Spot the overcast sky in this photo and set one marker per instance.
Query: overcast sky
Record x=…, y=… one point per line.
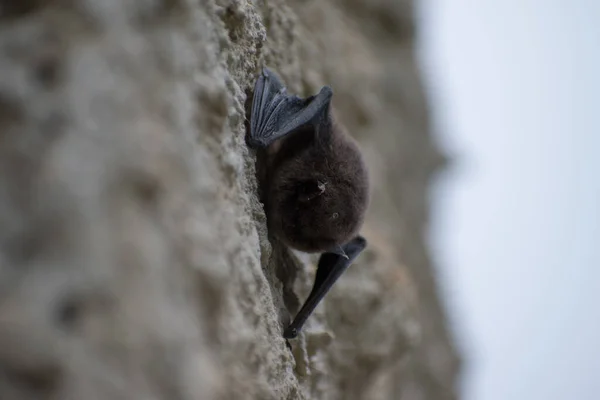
x=515, y=89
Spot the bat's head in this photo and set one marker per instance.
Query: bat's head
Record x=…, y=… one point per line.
x=318, y=199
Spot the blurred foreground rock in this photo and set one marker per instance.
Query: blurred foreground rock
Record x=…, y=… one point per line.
x=134, y=259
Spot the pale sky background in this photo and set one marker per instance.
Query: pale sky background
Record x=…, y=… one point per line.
x=515, y=90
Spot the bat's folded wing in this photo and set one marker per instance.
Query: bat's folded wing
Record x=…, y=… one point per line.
x=275, y=113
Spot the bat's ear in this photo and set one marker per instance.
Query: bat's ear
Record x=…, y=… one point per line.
x=354, y=247
x=338, y=250
x=331, y=266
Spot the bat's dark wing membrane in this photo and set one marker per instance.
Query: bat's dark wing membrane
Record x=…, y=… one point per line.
x=275, y=113
x=331, y=267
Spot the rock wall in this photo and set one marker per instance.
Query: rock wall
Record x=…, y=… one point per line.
x=134, y=258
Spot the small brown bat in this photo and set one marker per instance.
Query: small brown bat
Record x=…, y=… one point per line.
x=316, y=182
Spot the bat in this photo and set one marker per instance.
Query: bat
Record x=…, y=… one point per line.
x=316, y=182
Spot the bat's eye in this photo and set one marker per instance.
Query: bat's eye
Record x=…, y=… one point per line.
x=335, y=215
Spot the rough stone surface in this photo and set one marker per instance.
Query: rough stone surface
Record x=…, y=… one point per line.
x=134, y=257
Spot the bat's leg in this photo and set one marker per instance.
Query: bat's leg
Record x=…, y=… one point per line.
x=331, y=267
x=275, y=113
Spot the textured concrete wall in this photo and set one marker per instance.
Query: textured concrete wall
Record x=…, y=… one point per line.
x=134, y=259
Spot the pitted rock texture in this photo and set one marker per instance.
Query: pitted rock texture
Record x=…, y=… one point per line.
x=134, y=257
